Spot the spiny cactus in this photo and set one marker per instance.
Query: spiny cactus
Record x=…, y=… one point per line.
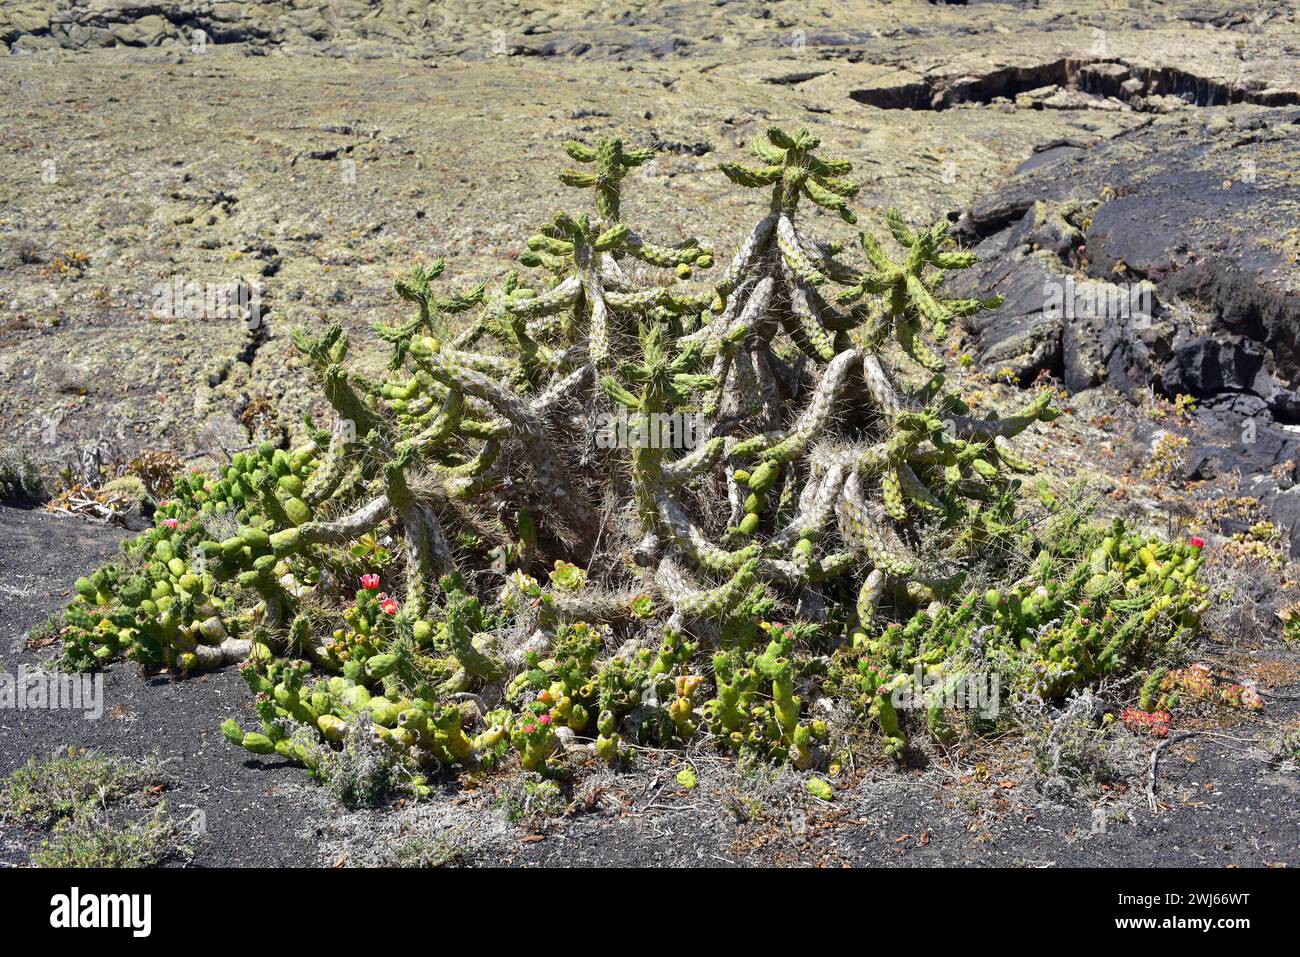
x=557, y=590
x=173, y=601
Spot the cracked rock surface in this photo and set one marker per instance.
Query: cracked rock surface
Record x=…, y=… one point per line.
x=311, y=152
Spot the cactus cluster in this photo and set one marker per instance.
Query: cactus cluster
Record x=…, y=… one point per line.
x=173, y=602
x=1095, y=601
x=756, y=707
x=544, y=592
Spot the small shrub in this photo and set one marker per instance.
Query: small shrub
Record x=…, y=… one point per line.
x=1287, y=744
x=532, y=797
x=76, y=795
x=364, y=772
x=20, y=481
x=1290, y=616
x=1077, y=748
x=43, y=792
x=88, y=839
x=157, y=470
x=423, y=851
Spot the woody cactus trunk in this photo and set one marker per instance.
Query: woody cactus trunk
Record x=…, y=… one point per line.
x=602, y=486
x=785, y=399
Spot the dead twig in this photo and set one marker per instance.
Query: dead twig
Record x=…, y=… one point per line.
x=1155, y=763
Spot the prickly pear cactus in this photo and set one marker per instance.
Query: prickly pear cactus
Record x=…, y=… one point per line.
x=794, y=506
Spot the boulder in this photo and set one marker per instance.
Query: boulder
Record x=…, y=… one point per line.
x=1018, y=335
x=145, y=32
x=1205, y=366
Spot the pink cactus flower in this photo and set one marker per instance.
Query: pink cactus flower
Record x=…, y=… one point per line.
x=388, y=606
x=1197, y=542
x=529, y=728
x=370, y=582
x=170, y=522
x=544, y=719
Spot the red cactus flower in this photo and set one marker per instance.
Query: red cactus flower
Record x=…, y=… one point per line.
x=370, y=582
x=388, y=606
x=170, y=522
x=1196, y=541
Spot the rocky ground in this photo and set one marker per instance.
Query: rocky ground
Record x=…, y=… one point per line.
x=311, y=152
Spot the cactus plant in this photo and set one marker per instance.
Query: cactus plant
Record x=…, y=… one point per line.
x=608, y=597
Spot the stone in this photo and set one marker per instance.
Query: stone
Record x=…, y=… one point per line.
x=146, y=31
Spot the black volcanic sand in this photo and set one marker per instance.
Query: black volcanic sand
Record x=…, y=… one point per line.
x=254, y=808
